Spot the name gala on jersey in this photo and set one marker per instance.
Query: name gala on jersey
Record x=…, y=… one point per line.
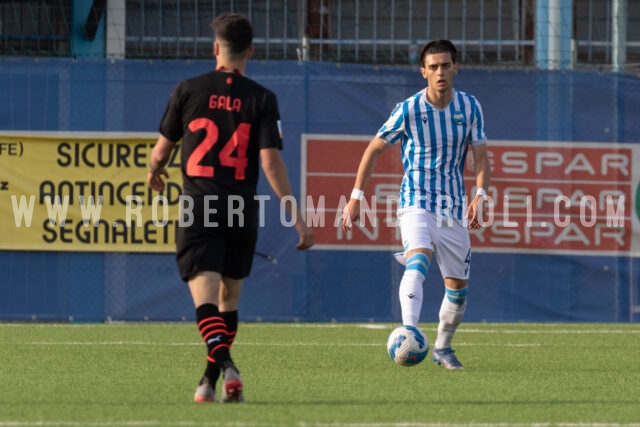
x=222, y=102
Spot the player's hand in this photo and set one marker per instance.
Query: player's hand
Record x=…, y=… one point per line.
x=479, y=203
x=154, y=178
x=350, y=214
x=306, y=235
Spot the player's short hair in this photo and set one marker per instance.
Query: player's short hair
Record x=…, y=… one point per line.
x=234, y=31
x=438, y=46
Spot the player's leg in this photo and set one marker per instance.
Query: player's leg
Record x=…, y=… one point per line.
x=204, y=287
x=217, y=300
x=451, y=313
x=200, y=255
x=411, y=285
x=417, y=245
x=453, y=253
x=240, y=241
x=452, y=310
x=229, y=298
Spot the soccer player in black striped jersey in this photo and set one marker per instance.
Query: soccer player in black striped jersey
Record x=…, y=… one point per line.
x=228, y=124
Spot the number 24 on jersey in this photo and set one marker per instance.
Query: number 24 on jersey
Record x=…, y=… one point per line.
x=239, y=140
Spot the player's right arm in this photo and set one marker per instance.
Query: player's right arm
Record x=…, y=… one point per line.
x=276, y=172
x=170, y=132
x=351, y=211
x=157, y=162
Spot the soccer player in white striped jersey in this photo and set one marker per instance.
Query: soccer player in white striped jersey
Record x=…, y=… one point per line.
x=434, y=129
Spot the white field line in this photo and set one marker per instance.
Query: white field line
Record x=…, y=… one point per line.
x=553, y=328
x=139, y=423
x=261, y=344
x=561, y=328
x=462, y=330
x=551, y=331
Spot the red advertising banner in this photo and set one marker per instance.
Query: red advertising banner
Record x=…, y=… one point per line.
x=544, y=197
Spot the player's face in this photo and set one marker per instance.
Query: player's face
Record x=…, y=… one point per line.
x=439, y=70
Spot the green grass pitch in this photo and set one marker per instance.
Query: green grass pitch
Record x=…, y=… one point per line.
x=324, y=375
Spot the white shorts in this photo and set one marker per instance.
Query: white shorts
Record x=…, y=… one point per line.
x=448, y=238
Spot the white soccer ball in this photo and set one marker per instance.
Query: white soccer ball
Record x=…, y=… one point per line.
x=407, y=345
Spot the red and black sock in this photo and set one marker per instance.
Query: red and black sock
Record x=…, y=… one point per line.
x=231, y=320
x=213, y=330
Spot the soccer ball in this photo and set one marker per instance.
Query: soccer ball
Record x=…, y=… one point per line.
x=407, y=345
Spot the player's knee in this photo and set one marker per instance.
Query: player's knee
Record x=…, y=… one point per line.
x=456, y=296
x=418, y=262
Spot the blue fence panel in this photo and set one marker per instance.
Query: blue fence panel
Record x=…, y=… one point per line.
x=320, y=285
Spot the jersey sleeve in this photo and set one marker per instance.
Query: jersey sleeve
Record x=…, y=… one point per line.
x=269, y=131
x=477, y=136
x=171, y=125
x=393, y=129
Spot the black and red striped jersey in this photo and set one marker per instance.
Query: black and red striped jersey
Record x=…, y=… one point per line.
x=223, y=120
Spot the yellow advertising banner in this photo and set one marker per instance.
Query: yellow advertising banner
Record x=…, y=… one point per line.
x=84, y=192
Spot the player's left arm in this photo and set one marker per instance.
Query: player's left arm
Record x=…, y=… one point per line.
x=483, y=176
x=276, y=172
x=158, y=160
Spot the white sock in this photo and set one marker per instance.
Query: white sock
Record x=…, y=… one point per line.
x=411, y=296
x=452, y=310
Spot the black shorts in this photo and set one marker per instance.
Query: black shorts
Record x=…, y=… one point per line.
x=225, y=248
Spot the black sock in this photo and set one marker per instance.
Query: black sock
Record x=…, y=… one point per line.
x=213, y=330
x=231, y=320
x=212, y=372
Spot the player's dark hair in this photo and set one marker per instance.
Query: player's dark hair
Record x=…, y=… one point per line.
x=438, y=46
x=233, y=30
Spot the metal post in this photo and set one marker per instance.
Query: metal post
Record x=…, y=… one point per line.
x=393, y=29
x=553, y=35
x=115, y=43
x=357, y=27
x=302, y=30
x=321, y=32
x=285, y=36
x=374, y=36
x=499, y=30
x=428, y=26
x=266, y=24
x=463, y=55
x=339, y=29
x=160, y=29
x=413, y=44
x=178, y=28
x=481, y=31
x=446, y=20
x=516, y=28
x=196, y=31
x=618, y=34
x=590, y=32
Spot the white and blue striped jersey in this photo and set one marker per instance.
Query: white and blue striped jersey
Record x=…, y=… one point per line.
x=434, y=147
